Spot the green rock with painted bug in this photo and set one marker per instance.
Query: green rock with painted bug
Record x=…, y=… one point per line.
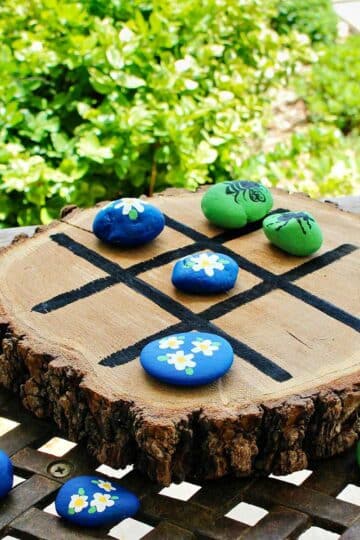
x=297, y=233
x=232, y=205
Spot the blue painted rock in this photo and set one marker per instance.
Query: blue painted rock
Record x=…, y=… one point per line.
x=128, y=222
x=205, y=273
x=232, y=205
x=296, y=233
x=187, y=359
x=93, y=502
x=6, y=474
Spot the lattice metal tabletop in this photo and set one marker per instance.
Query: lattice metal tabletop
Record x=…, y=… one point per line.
x=311, y=504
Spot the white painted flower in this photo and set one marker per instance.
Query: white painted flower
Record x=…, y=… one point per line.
x=207, y=262
x=206, y=346
x=171, y=342
x=180, y=360
x=106, y=486
x=78, y=502
x=129, y=203
x=101, y=501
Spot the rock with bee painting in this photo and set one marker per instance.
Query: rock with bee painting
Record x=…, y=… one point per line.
x=128, y=222
x=296, y=233
x=205, y=273
x=232, y=205
x=90, y=501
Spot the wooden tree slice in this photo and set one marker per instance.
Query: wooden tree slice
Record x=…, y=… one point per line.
x=75, y=313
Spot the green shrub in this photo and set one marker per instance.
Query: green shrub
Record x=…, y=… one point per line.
x=319, y=160
x=316, y=18
x=332, y=91
x=103, y=97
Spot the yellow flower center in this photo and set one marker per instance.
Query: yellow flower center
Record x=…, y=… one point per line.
x=78, y=502
x=203, y=346
x=106, y=485
x=102, y=499
x=205, y=263
x=172, y=342
x=181, y=359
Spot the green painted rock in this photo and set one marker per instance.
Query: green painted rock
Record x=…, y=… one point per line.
x=296, y=233
x=232, y=205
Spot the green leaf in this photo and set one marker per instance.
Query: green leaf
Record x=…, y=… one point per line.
x=95, y=482
x=71, y=511
x=162, y=358
x=81, y=491
x=189, y=371
x=89, y=146
x=131, y=81
x=114, y=57
x=45, y=217
x=92, y=510
x=114, y=498
x=133, y=215
x=205, y=153
x=60, y=141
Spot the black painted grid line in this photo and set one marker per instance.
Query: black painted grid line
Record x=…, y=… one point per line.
x=65, y=299
x=188, y=318
x=170, y=305
x=61, y=300
x=326, y=307
x=281, y=281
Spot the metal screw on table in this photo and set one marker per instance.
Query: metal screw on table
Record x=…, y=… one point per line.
x=60, y=469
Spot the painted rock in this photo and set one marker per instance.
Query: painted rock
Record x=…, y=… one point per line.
x=93, y=502
x=296, y=233
x=187, y=359
x=128, y=222
x=6, y=474
x=232, y=205
x=205, y=273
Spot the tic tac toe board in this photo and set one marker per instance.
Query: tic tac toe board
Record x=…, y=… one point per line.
x=75, y=314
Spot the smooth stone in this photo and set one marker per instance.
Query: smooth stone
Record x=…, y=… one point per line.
x=296, y=233
x=232, y=205
x=205, y=273
x=6, y=474
x=128, y=222
x=91, y=501
x=187, y=359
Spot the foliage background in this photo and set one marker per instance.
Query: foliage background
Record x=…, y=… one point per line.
x=100, y=98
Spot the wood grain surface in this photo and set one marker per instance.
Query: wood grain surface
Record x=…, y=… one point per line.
x=75, y=314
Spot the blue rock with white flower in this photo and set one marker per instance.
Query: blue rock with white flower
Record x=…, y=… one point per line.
x=205, y=273
x=187, y=359
x=91, y=501
x=128, y=222
x=6, y=474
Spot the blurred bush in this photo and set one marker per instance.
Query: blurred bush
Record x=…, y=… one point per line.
x=318, y=160
x=105, y=97
x=332, y=91
x=101, y=97
x=316, y=18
